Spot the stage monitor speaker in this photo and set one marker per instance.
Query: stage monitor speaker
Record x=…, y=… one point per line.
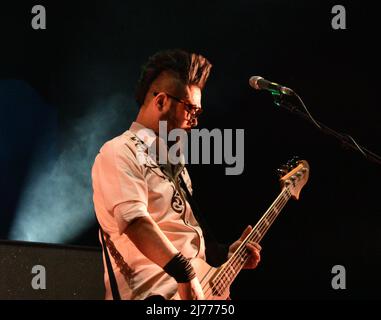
x=46, y=271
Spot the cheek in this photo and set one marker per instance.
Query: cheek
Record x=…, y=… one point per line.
x=175, y=118
x=181, y=115
x=170, y=114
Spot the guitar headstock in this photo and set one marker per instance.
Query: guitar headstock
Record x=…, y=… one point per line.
x=294, y=175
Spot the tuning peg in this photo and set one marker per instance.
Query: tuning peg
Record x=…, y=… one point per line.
x=299, y=174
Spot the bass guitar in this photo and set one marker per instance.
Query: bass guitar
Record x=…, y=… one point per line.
x=216, y=282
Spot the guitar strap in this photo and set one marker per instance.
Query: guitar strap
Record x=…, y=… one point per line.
x=111, y=275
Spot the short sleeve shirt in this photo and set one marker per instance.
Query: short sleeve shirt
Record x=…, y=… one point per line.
x=128, y=184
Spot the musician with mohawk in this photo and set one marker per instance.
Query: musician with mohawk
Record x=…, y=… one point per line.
x=149, y=225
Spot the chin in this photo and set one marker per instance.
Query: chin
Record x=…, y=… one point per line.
x=187, y=127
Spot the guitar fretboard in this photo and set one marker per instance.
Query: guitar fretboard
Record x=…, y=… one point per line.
x=234, y=265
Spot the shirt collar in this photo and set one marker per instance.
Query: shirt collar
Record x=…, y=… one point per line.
x=146, y=135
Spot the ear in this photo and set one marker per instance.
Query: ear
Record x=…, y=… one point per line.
x=159, y=101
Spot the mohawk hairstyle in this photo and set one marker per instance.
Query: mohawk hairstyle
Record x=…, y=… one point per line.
x=191, y=69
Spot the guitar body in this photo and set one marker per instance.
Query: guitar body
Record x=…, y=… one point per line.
x=205, y=274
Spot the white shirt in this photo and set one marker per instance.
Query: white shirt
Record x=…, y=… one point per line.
x=125, y=189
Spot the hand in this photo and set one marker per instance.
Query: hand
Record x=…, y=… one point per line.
x=191, y=290
x=252, y=247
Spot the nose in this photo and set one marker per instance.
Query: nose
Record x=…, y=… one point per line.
x=194, y=122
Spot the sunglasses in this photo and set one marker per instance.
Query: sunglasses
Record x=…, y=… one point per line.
x=192, y=109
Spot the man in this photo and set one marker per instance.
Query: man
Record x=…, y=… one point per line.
x=150, y=229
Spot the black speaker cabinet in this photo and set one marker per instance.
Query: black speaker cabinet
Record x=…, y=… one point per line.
x=46, y=271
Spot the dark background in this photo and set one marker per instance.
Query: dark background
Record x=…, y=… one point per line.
x=93, y=50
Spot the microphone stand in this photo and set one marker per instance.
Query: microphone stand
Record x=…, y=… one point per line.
x=345, y=139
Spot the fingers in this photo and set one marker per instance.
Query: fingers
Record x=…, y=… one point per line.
x=191, y=290
x=255, y=245
x=246, y=232
x=255, y=256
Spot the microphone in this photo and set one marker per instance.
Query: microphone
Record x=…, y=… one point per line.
x=259, y=83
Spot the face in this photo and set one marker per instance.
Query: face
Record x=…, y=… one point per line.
x=177, y=114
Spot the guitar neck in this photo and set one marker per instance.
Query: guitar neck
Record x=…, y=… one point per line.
x=227, y=273
x=267, y=219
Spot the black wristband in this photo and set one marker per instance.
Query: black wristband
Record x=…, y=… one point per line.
x=180, y=268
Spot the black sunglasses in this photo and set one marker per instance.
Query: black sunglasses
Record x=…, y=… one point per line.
x=192, y=109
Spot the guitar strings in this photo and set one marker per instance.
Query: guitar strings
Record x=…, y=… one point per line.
x=217, y=284
x=240, y=256
x=263, y=224
x=230, y=270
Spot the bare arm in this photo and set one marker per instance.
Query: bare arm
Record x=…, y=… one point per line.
x=152, y=242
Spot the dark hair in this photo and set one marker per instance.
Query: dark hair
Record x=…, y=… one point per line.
x=190, y=68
